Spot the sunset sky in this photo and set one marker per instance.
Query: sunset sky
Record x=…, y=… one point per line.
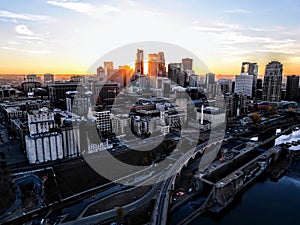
x=67, y=36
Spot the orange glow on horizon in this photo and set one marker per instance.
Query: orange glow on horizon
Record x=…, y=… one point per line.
x=18, y=64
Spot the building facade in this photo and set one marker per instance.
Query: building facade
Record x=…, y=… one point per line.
x=292, y=88
x=272, y=82
x=251, y=69
x=244, y=84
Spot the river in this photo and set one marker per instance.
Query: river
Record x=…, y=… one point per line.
x=262, y=202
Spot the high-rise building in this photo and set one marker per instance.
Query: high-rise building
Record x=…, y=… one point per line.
x=187, y=64
x=173, y=70
x=152, y=64
x=166, y=87
x=251, y=69
x=105, y=92
x=209, y=79
x=272, y=82
x=31, y=78
x=259, y=84
x=48, y=78
x=139, y=62
x=181, y=78
x=244, y=84
x=259, y=89
x=156, y=64
x=226, y=85
x=122, y=75
x=101, y=73
x=103, y=122
x=57, y=93
x=78, y=102
x=161, y=65
x=194, y=80
x=213, y=90
x=292, y=88
x=108, y=68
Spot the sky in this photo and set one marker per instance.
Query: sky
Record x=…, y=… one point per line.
x=68, y=36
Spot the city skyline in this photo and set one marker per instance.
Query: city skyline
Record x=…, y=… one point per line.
x=66, y=37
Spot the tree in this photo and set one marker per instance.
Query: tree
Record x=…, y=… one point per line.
x=256, y=118
x=271, y=109
x=291, y=112
x=145, y=161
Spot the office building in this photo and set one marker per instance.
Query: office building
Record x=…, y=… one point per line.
x=101, y=73
x=156, y=65
x=225, y=85
x=103, y=122
x=48, y=78
x=194, y=81
x=209, y=79
x=272, y=82
x=139, y=62
x=57, y=93
x=104, y=93
x=251, y=69
x=31, y=78
x=173, y=70
x=292, y=88
x=108, y=68
x=244, y=84
x=187, y=64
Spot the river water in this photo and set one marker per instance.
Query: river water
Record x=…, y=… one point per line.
x=263, y=202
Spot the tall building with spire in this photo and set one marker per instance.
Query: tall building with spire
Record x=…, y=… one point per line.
x=272, y=82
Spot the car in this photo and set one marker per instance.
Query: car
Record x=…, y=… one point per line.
x=180, y=193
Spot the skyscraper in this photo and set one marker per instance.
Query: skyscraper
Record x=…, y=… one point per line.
x=139, y=62
x=31, y=77
x=173, y=70
x=153, y=64
x=251, y=69
x=156, y=64
x=292, y=85
x=161, y=65
x=209, y=79
x=243, y=84
x=187, y=64
x=48, y=78
x=272, y=82
x=259, y=89
x=108, y=68
x=101, y=73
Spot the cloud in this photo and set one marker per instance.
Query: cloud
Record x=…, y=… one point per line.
x=31, y=38
x=97, y=11
x=23, y=30
x=239, y=38
x=85, y=8
x=215, y=27
x=238, y=11
x=30, y=17
x=26, y=50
